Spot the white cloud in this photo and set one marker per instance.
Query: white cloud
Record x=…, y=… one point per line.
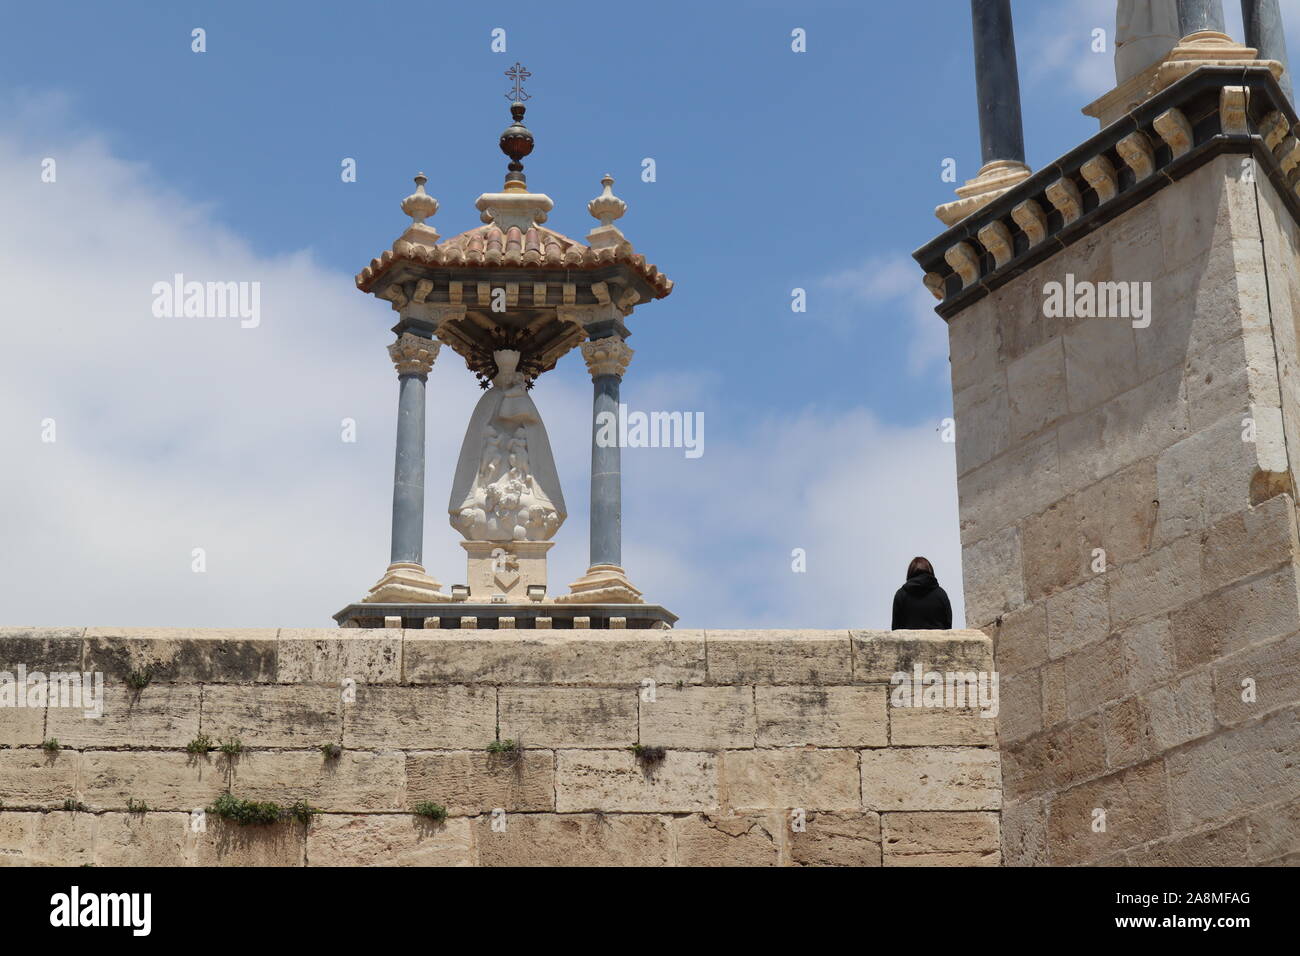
x=182, y=433
x=1055, y=41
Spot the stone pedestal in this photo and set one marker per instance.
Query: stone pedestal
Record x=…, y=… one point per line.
x=504, y=570
x=406, y=583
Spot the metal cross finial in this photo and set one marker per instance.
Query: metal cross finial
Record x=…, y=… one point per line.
x=518, y=74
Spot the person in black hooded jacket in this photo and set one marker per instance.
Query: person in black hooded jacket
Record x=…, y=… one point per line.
x=920, y=604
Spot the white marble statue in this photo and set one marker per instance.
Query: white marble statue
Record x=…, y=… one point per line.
x=506, y=487
x=1145, y=30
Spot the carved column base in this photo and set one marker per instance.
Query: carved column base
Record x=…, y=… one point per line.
x=1207, y=48
x=992, y=181
x=602, y=584
x=505, y=570
x=405, y=583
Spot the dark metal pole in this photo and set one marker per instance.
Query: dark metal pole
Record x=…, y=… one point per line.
x=1197, y=15
x=997, y=81
x=1264, y=31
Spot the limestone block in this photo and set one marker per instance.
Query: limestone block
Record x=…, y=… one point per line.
x=1251, y=612
x=1136, y=811
x=1036, y=389
x=1247, y=542
x=1274, y=832
x=993, y=576
x=421, y=718
x=779, y=657
x=716, y=840
x=327, y=657
x=1053, y=550
x=1100, y=361
x=353, y=781
x=1129, y=739
x=22, y=726
x=837, y=839
x=389, y=840
x=557, y=657
x=1024, y=834
x=1020, y=483
x=1055, y=759
x=1094, y=676
x=614, y=780
x=1226, y=378
x=575, y=839
x=468, y=783
x=1181, y=710
x=1204, y=478
x=143, y=839
x=1118, y=514
x=569, y=716
x=1164, y=580
x=931, y=778
x=1055, y=697
x=984, y=420
x=1194, y=212
x=182, y=654
x=1020, y=640
x=229, y=844
x=1221, y=846
x=941, y=839
x=1078, y=617
x=941, y=726
x=163, y=780
x=973, y=344
x=1273, y=668
x=699, y=718
x=159, y=715
x=46, y=839
x=790, y=778
x=35, y=778
x=822, y=716
x=1020, y=710
x=1235, y=771
x=1148, y=650
x=270, y=715
x=42, y=649
x=879, y=655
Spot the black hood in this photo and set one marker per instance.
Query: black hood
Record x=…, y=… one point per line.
x=921, y=583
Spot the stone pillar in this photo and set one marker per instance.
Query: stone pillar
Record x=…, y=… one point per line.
x=605, y=581
x=1264, y=32
x=1198, y=16
x=405, y=581
x=997, y=82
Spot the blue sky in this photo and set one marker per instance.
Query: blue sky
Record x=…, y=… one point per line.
x=775, y=170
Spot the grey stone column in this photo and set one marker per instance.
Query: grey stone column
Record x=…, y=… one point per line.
x=1264, y=31
x=607, y=359
x=997, y=81
x=413, y=357
x=1197, y=15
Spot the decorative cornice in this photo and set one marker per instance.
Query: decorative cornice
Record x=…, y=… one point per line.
x=608, y=356
x=413, y=354
x=1214, y=110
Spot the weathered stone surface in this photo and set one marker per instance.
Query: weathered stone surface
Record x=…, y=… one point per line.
x=575, y=839
x=182, y=654
x=822, y=716
x=468, y=783
x=615, y=780
x=1135, y=807
x=1020, y=640
x=1100, y=362
x=229, y=844
x=160, y=715
x=1129, y=739
x=355, y=780
x=1020, y=707
x=1094, y=676
x=369, y=656
x=716, y=840
x=42, y=649
x=1118, y=513
x=271, y=715
x=699, y=718
x=1247, y=542
x=837, y=839
x=1148, y=650
x=1054, y=759
x=421, y=718
x=1274, y=832
x=1053, y=550
x=46, y=839
x=1024, y=834
x=1036, y=389
x=163, y=780
x=987, y=432
x=1274, y=670
x=1235, y=771
x=879, y=655
x=941, y=839
x=388, y=840
x=993, y=576
x=1181, y=710
x=779, y=657
x=35, y=778
x=1019, y=483
x=1163, y=581
x=789, y=778
x=1252, y=612
x=569, y=716
x=939, y=726
x=22, y=726
x=1222, y=846
x=1078, y=617
x=143, y=839
x=579, y=657
x=931, y=778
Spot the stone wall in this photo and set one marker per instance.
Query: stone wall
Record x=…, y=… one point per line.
x=757, y=725
x=1132, y=555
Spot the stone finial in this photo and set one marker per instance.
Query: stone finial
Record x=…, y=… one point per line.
x=419, y=205
x=608, y=356
x=607, y=207
x=413, y=354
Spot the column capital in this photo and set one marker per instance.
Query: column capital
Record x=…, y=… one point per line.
x=413, y=354
x=607, y=356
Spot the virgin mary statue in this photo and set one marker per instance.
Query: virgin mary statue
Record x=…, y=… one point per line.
x=506, y=487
